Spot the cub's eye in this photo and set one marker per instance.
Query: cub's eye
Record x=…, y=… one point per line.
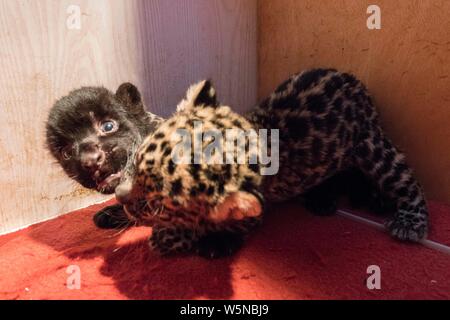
x=67, y=153
x=108, y=126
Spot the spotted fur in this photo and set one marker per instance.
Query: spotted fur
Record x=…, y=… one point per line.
x=327, y=124
x=189, y=202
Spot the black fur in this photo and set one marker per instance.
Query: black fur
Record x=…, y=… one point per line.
x=111, y=217
x=219, y=244
x=206, y=97
x=90, y=156
x=73, y=127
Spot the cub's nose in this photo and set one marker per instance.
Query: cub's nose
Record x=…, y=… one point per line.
x=92, y=158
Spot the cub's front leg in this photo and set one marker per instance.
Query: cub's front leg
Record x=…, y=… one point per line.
x=219, y=244
x=209, y=240
x=111, y=217
x=211, y=245
x=169, y=239
x=225, y=239
x=224, y=232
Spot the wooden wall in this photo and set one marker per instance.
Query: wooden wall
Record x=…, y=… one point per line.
x=160, y=45
x=406, y=65
x=164, y=45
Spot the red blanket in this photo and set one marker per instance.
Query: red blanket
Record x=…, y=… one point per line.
x=294, y=255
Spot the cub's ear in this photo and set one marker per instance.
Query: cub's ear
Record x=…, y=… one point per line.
x=201, y=94
x=205, y=94
x=130, y=96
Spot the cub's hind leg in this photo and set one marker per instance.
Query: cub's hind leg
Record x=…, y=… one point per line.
x=386, y=166
x=321, y=200
x=351, y=183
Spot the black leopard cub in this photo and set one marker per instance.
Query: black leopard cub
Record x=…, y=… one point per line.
x=93, y=133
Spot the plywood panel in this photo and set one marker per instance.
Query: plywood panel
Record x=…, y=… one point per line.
x=161, y=45
x=406, y=66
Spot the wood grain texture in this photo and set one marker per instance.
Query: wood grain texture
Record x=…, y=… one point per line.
x=160, y=45
x=406, y=66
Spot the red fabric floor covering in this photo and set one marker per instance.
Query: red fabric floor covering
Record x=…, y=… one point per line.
x=293, y=256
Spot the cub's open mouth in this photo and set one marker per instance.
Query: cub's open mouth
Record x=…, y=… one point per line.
x=107, y=183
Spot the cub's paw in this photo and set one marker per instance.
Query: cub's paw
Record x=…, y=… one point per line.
x=237, y=206
x=111, y=217
x=219, y=244
x=171, y=240
x=408, y=226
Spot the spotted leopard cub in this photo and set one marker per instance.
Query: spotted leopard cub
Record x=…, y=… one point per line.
x=328, y=125
x=194, y=198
